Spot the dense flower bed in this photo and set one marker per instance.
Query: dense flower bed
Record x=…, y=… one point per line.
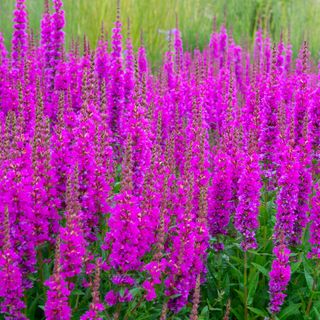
x=120, y=181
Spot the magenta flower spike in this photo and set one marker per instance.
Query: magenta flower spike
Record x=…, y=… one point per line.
x=73, y=244
x=57, y=306
x=11, y=290
x=279, y=277
x=47, y=46
x=57, y=35
x=287, y=199
x=247, y=211
x=102, y=58
x=20, y=37
x=96, y=307
x=116, y=99
x=129, y=85
x=220, y=197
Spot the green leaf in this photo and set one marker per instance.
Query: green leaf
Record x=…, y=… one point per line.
x=237, y=313
x=262, y=269
x=32, y=308
x=307, y=275
x=236, y=270
x=316, y=312
x=135, y=291
x=240, y=294
x=204, y=313
x=292, y=309
x=295, y=266
x=78, y=292
x=253, y=284
x=258, y=312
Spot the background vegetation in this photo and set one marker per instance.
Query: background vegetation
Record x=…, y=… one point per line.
x=297, y=19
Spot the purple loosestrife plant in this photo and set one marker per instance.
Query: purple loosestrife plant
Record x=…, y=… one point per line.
x=287, y=199
x=57, y=306
x=129, y=172
x=73, y=243
x=102, y=58
x=47, y=47
x=96, y=307
x=181, y=276
x=18, y=189
x=129, y=84
x=11, y=290
x=58, y=22
x=44, y=198
x=20, y=38
x=220, y=197
x=123, y=238
x=279, y=277
x=247, y=211
x=116, y=98
x=269, y=125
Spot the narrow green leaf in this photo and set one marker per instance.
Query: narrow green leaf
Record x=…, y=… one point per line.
x=307, y=275
x=258, y=312
x=290, y=310
x=262, y=269
x=316, y=312
x=295, y=266
x=78, y=292
x=252, y=285
x=204, y=315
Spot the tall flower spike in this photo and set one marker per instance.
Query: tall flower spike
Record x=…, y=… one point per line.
x=20, y=37
x=220, y=196
x=95, y=306
x=279, y=277
x=47, y=47
x=58, y=22
x=129, y=84
x=287, y=201
x=73, y=244
x=11, y=292
x=57, y=306
x=287, y=198
x=102, y=58
x=247, y=211
x=117, y=86
x=122, y=239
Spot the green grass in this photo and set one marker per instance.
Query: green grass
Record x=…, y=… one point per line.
x=155, y=17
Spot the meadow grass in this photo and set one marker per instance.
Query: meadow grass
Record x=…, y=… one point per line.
x=297, y=19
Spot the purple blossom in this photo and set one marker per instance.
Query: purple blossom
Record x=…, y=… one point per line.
x=279, y=277
x=57, y=306
x=11, y=291
x=20, y=38
x=247, y=212
x=111, y=298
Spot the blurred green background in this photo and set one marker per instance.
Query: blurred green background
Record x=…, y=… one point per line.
x=299, y=18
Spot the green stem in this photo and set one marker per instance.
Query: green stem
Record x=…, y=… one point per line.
x=314, y=287
x=41, y=273
x=77, y=302
x=245, y=289
x=117, y=313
